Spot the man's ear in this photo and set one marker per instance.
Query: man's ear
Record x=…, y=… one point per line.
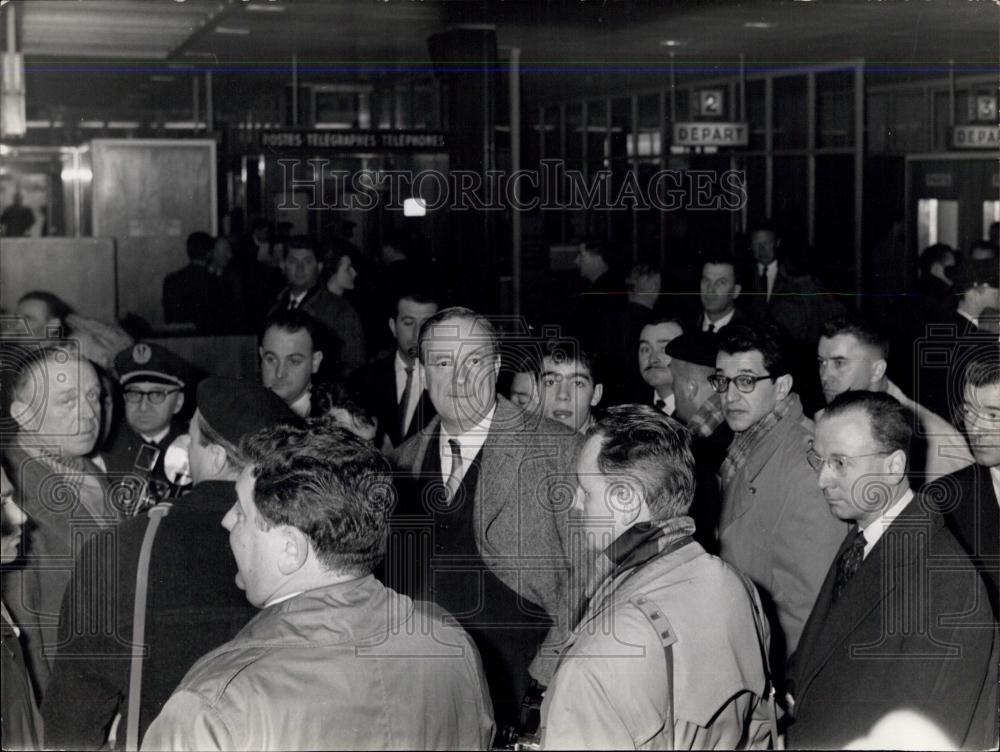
x=784, y=385
x=878, y=370
x=317, y=359
x=294, y=550
x=219, y=458
x=260, y=352
x=737, y=289
x=180, y=402
x=20, y=412
x=598, y=393
x=897, y=463
x=392, y=326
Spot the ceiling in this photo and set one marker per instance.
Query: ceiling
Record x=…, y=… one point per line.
x=564, y=44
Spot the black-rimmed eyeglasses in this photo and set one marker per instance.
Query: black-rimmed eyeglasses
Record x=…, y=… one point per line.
x=745, y=382
x=155, y=396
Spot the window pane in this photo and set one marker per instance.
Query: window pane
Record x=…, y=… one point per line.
x=574, y=132
x=553, y=133
x=621, y=127
x=835, y=109
x=597, y=130
x=756, y=115
x=790, y=112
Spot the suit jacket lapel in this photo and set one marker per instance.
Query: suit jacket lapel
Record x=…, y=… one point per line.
x=738, y=500
x=498, y=476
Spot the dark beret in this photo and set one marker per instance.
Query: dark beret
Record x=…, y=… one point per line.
x=236, y=408
x=699, y=348
x=147, y=361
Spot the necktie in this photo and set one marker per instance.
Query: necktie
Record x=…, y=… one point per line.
x=710, y=328
x=292, y=304
x=763, y=283
x=454, y=476
x=404, y=401
x=849, y=562
x=659, y=404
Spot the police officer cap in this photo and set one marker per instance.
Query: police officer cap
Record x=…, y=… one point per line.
x=236, y=408
x=146, y=361
x=699, y=348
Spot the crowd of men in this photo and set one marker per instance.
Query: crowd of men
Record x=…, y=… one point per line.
x=639, y=531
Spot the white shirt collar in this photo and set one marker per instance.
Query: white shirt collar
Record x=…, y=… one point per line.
x=282, y=598
x=297, y=297
x=156, y=438
x=705, y=321
x=964, y=315
x=7, y=618
x=878, y=526
x=469, y=442
x=670, y=403
x=303, y=405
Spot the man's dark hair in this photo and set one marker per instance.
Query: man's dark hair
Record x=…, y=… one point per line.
x=329, y=484
x=934, y=254
x=58, y=308
x=766, y=225
x=764, y=338
x=333, y=394
x=640, y=440
x=422, y=295
x=891, y=424
x=984, y=369
x=302, y=241
x=482, y=327
x=569, y=351
x=718, y=257
x=664, y=319
x=199, y=245
x=295, y=320
x=396, y=239
x=857, y=327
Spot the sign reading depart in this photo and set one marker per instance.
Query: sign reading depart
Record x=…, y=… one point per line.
x=975, y=137
x=355, y=140
x=711, y=134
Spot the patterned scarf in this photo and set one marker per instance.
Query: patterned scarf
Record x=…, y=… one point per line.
x=632, y=549
x=744, y=443
x=709, y=416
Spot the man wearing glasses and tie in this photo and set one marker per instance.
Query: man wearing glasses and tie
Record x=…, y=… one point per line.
x=775, y=525
x=902, y=620
x=152, y=380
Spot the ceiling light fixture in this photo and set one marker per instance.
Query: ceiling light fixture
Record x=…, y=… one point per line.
x=269, y=8
x=231, y=30
x=758, y=25
x=672, y=43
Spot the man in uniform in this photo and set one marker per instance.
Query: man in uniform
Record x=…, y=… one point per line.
x=153, y=380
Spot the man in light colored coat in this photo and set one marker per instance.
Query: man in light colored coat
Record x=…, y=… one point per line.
x=671, y=651
x=774, y=526
x=334, y=660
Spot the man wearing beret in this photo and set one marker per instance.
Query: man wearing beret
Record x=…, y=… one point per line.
x=699, y=407
x=152, y=380
x=191, y=604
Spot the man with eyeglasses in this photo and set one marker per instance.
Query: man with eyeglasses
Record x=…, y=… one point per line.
x=902, y=620
x=152, y=380
x=774, y=525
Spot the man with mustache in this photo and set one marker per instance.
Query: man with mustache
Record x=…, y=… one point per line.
x=654, y=363
x=775, y=525
x=57, y=408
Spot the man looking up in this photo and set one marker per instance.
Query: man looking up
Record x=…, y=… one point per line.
x=187, y=603
x=291, y=351
x=775, y=525
x=853, y=355
x=334, y=658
